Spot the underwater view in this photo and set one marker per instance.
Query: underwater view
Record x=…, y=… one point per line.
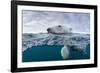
x=47, y=47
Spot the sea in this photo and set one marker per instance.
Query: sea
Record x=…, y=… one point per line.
x=47, y=47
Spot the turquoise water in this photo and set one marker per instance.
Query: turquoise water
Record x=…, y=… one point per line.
x=47, y=47
x=51, y=53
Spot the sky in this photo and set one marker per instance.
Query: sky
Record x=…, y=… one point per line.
x=39, y=21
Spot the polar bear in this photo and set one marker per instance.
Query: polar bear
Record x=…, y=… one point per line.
x=65, y=51
x=59, y=29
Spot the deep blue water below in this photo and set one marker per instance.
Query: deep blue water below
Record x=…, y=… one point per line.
x=51, y=53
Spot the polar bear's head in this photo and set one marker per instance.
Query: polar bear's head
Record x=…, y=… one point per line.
x=59, y=29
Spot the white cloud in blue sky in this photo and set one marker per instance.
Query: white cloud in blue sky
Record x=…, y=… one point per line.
x=39, y=21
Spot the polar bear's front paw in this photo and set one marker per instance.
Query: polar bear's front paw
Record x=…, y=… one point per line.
x=65, y=52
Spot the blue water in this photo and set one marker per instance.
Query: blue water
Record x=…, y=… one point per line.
x=42, y=53
x=51, y=53
x=48, y=48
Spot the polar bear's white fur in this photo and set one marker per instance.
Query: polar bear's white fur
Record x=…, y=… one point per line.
x=59, y=29
x=65, y=52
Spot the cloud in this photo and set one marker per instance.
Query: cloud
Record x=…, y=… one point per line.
x=39, y=21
